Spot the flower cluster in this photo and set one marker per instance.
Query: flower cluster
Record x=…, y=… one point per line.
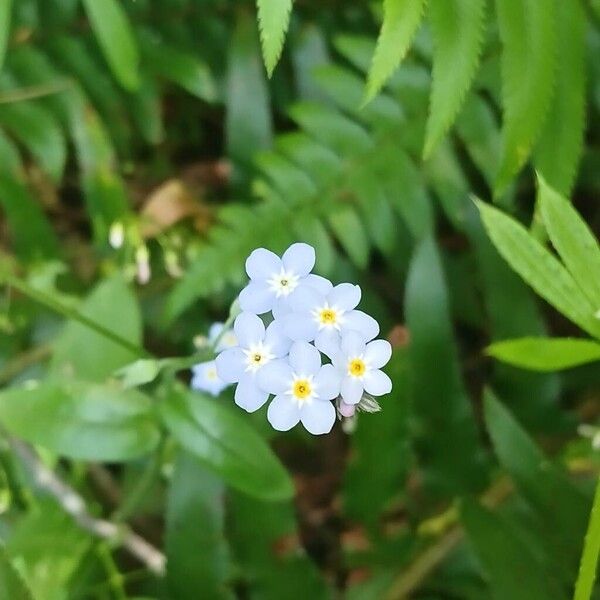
x=311, y=318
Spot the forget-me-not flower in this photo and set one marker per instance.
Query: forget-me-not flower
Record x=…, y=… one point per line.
x=323, y=315
x=273, y=280
x=257, y=348
x=303, y=390
x=225, y=340
x=359, y=364
x=206, y=379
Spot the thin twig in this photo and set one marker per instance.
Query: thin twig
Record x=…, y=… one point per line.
x=72, y=503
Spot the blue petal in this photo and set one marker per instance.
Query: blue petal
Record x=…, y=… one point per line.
x=214, y=331
x=299, y=258
x=283, y=413
x=305, y=299
x=353, y=344
x=300, y=327
x=377, y=383
x=281, y=307
x=257, y=298
x=345, y=296
x=277, y=340
x=378, y=353
x=304, y=359
x=248, y=395
x=230, y=365
x=328, y=382
x=262, y=263
x=275, y=377
x=351, y=390
x=249, y=329
x=318, y=283
x=328, y=342
x=318, y=417
x=359, y=321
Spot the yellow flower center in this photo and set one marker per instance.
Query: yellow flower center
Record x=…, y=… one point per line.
x=211, y=374
x=356, y=367
x=257, y=358
x=328, y=316
x=302, y=389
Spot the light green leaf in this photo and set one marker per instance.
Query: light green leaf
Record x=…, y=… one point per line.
x=81, y=420
x=457, y=27
x=401, y=18
x=140, y=372
x=115, y=37
x=88, y=355
x=197, y=552
x=573, y=240
x=560, y=145
x=545, y=354
x=450, y=459
x=513, y=569
x=541, y=483
x=224, y=441
x=273, y=21
x=5, y=14
x=12, y=585
x=539, y=268
x=527, y=31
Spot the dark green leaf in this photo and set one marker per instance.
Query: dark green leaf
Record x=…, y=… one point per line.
x=5, y=15
x=224, y=441
x=81, y=420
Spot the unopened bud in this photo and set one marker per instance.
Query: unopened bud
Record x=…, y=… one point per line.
x=116, y=235
x=142, y=261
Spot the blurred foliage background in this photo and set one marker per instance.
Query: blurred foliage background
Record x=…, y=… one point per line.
x=144, y=152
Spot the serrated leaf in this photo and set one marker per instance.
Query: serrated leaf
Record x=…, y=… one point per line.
x=197, y=552
x=561, y=142
x=115, y=37
x=457, y=28
x=81, y=420
x=527, y=31
x=514, y=570
x=545, y=354
x=451, y=459
x=573, y=240
x=273, y=21
x=401, y=18
x=5, y=23
x=224, y=441
x=539, y=268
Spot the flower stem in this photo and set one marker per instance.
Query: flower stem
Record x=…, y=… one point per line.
x=591, y=550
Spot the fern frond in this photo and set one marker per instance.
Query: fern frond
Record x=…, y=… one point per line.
x=527, y=31
x=273, y=22
x=401, y=18
x=561, y=142
x=458, y=28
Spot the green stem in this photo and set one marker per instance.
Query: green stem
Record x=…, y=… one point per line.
x=591, y=550
x=71, y=313
x=36, y=91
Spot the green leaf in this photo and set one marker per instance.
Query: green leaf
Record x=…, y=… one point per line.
x=451, y=458
x=527, y=31
x=573, y=240
x=540, y=269
x=349, y=230
x=5, y=15
x=197, y=553
x=223, y=440
x=115, y=37
x=12, y=585
x=541, y=483
x=561, y=142
x=81, y=420
x=513, y=569
x=591, y=551
x=88, y=355
x=457, y=27
x=401, y=18
x=140, y=372
x=273, y=21
x=545, y=354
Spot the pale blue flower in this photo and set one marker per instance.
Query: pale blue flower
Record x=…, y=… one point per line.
x=324, y=314
x=274, y=280
x=228, y=338
x=303, y=390
x=257, y=347
x=358, y=364
x=206, y=379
